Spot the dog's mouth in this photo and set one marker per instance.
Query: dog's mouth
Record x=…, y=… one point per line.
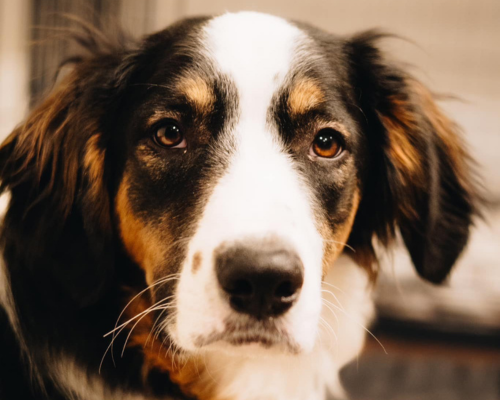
x=239, y=333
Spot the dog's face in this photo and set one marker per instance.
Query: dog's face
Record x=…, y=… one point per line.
x=242, y=176
x=232, y=159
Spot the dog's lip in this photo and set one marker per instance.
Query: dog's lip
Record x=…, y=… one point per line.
x=264, y=334
x=238, y=338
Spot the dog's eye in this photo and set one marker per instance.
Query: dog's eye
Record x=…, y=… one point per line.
x=327, y=144
x=169, y=134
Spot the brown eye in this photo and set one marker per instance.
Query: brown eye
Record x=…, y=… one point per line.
x=169, y=134
x=327, y=144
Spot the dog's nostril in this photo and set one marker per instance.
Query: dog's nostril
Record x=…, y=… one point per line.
x=285, y=290
x=260, y=279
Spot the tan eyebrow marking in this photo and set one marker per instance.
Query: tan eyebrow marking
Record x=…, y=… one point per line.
x=158, y=115
x=305, y=95
x=198, y=92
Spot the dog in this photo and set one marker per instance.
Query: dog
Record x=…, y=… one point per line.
x=198, y=215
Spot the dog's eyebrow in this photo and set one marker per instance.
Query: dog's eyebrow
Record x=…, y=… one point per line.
x=198, y=92
x=304, y=95
x=159, y=115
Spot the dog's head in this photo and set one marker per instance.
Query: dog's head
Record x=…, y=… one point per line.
x=232, y=160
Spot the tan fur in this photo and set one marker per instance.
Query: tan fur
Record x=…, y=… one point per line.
x=93, y=162
x=305, y=95
x=447, y=131
x=47, y=143
x=39, y=143
x=197, y=259
x=401, y=127
x=334, y=241
x=404, y=154
x=142, y=243
x=198, y=93
x=159, y=115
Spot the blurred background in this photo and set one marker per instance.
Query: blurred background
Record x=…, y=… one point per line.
x=443, y=343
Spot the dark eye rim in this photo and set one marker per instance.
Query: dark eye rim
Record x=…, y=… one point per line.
x=339, y=137
x=160, y=124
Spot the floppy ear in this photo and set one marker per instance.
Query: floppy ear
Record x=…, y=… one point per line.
x=419, y=175
x=58, y=224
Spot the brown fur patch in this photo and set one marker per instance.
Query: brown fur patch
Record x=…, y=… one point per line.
x=198, y=93
x=141, y=242
x=197, y=259
x=55, y=141
x=40, y=146
x=404, y=135
x=335, y=241
x=159, y=115
x=305, y=95
x=447, y=131
x=403, y=145
x=405, y=156
x=93, y=162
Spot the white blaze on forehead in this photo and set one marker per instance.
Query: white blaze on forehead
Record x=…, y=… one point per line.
x=261, y=191
x=256, y=51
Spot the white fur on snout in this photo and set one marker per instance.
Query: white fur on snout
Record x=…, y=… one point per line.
x=261, y=194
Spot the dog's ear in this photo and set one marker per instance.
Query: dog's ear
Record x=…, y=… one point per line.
x=58, y=222
x=419, y=176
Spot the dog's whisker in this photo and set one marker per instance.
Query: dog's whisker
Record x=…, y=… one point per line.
x=334, y=287
x=341, y=243
x=160, y=281
x=330, y=339
x=152, y=330
x=343, y=292
x=335, y=297
x=324, y=321
x=333, y=312
x=136, y=316
x=110, y=347
x=136, y=323
x=359, y=324
x=113, y=332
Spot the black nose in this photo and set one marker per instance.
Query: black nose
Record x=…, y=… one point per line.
x=262, y=279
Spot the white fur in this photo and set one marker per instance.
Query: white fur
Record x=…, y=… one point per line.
x=262, y=194
x=77, y=384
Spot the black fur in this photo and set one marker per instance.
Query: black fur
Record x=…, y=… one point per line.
x=58, y=238
x=65, y=260
x=443, y=200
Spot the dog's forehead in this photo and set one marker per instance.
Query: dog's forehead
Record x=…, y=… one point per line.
x=257, y=51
